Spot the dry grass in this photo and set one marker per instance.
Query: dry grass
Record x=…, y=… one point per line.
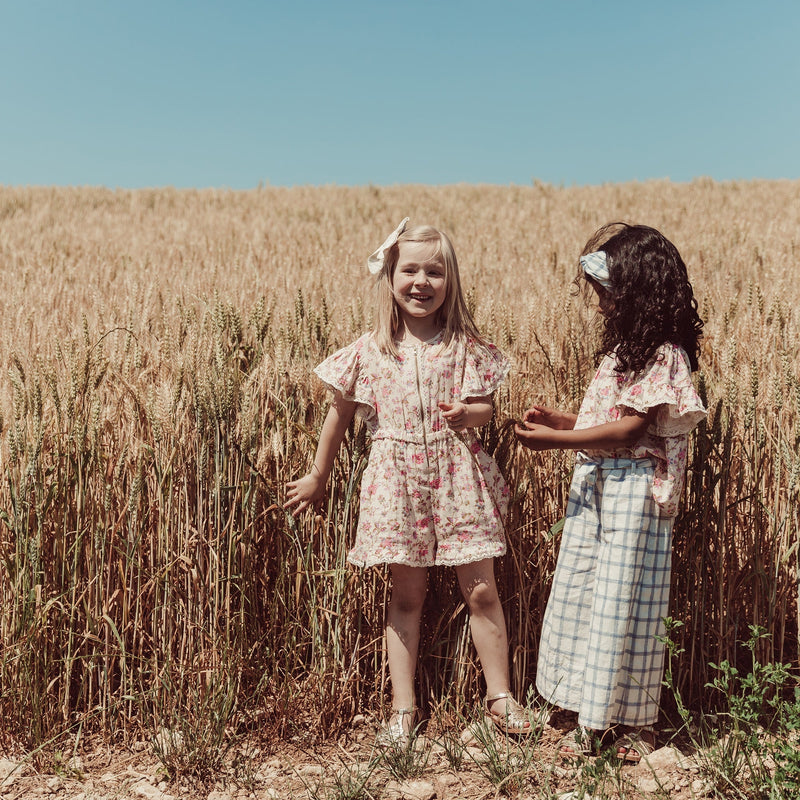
x=157, y=352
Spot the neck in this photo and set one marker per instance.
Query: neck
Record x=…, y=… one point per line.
x=420, y=329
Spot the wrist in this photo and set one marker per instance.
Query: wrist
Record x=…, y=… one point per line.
x=317, y=474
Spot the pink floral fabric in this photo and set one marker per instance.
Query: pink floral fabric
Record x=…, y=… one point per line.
x=428, y=495
x=665, y=382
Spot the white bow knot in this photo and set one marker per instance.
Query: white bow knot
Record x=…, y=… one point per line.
x=376, y=261
x=595, y=266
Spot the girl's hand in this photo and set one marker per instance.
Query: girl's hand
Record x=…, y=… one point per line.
x=550, y=418
x=455, y=415
x=304, y=492
x=535, y=436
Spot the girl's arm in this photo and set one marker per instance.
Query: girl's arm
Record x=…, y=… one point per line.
x=623, y=432
x=470, y=413
x=550, y=417
x=305, y=491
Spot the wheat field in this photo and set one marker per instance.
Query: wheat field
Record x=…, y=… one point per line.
x=157, y=394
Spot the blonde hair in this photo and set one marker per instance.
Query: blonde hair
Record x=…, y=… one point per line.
x=453, y=314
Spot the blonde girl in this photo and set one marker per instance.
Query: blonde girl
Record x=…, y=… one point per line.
x=422, y=380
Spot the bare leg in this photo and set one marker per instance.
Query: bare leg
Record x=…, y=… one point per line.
x=409, y=585
x=488, y=625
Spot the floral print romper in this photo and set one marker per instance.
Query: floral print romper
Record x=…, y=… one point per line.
x=429, y=495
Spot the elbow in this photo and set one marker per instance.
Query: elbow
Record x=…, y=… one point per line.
x=632, y=436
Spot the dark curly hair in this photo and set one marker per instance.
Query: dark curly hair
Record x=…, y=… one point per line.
x=653, y=301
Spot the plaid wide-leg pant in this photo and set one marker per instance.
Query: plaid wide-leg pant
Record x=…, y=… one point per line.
x=599, y=654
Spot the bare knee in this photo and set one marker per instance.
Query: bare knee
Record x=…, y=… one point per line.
x=482, y=597
x=409, y=587
x=407, y=603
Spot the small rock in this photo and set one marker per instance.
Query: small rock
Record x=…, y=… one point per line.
x=10, y=771
x=168, y=742
x=359, y=719
x=109, y=777
x=272, y=794
x=75, y=764
x=701, y=788
x=468, y=735
x=217, y=795
x=311, y=769
x=149, y=792
x=661, y=760
x=409, y=790
x=560, y=772
x=475, y=755
x=652, y=784
x=689, y=763
x=55, y=784
x=135, y=773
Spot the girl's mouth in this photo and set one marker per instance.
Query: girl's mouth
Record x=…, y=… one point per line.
x=420, y=298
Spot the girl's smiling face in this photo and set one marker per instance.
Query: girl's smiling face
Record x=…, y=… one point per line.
x=419, y=282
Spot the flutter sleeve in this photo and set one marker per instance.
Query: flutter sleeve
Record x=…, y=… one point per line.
x=347, y=371
x=485, y=369
x=666, y=382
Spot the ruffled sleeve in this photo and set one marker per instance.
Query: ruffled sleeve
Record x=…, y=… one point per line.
x=667, y=382
x=485, y=369
x=347, y=371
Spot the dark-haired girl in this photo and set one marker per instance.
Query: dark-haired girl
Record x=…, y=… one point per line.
x=599, y=653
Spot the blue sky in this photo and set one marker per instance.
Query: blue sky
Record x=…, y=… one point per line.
x=230, y=94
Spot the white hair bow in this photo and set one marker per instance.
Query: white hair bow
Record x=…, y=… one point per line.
x=595, y=266
x=376, y=260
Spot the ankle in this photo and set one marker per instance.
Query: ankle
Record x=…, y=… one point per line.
x=499, y=698
x=404, y=717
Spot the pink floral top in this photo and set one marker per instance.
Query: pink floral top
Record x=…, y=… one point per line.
x=402, y=394
x=665, y=382
x=428, y=495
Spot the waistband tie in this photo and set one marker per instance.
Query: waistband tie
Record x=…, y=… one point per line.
x=411, y=437
x=589, y=469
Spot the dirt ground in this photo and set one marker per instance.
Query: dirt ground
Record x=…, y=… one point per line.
x=488, y=768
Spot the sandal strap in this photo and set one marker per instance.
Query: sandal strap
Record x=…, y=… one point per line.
x=500, y=696
x=580, y=741
x=513, y=719
x=634, y=740
x=393, y=733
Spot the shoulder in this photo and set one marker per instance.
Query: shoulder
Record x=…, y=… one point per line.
x=484, y=347
x=485, y=366
x=352, y=353
x=364, y=344
x=673, y=357
x=668, y=366
x=365, y=340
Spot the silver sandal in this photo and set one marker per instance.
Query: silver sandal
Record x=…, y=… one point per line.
x=394, y=733
x=514, y=719
x=635, y=745
x=580, y=742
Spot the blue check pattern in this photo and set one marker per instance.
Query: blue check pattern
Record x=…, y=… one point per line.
x=599, y=654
